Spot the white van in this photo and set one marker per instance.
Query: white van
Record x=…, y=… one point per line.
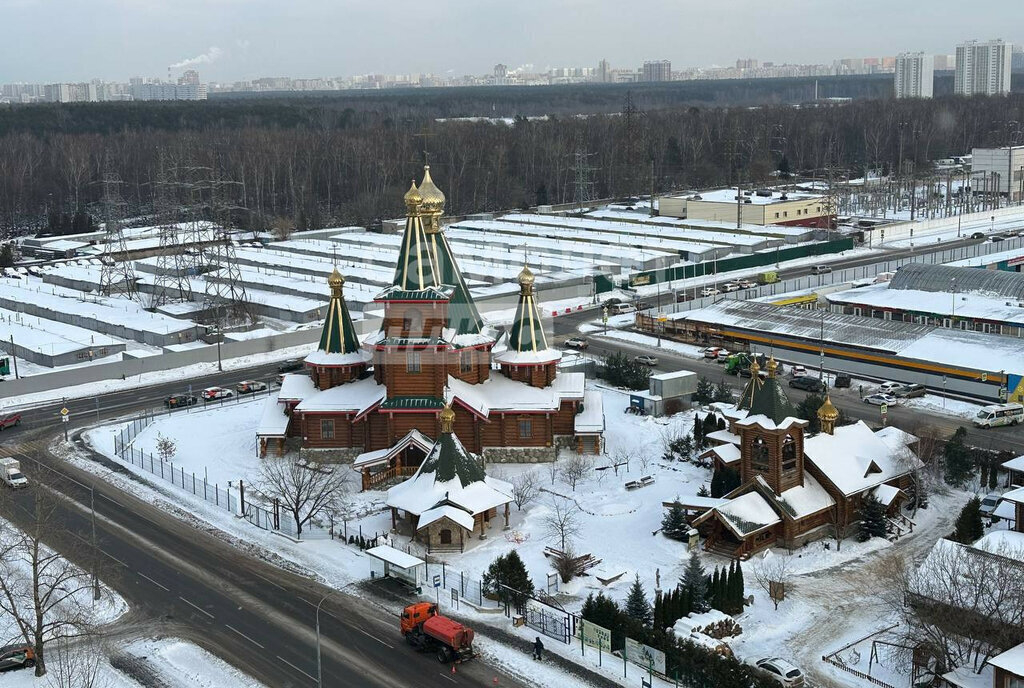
x=999, y=414
x=620, y=308
x=820, y=270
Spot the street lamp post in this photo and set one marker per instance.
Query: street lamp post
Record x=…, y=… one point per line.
x=952, y=313
x=319, y=666
x=95, y=551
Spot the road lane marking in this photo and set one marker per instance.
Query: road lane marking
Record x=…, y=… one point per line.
x=159, y=585
x=312, y=678
x=276, y=585
x=245, y=636
x=447, y=677
x=196, y=607
x=111, y=556
x=370, y=635
x=111, y=500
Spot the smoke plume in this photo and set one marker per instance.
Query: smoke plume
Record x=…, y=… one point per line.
x=209, y=56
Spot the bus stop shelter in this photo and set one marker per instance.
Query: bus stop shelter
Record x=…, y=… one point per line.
x=398, y=564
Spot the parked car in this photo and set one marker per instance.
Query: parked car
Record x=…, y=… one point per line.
x=178, y=400
x=842, y=380
x=731, y=286
x=978, y=235
x=820, y=270
x=712, y=351
x=995, y=239
x=576, y=343
x=879, y=399
x=786, y=673
x=18, y=656
x=250, y=386
x=646, y=360
x=798, y=371
x=620, y=308
x=722, y=356
x=211, y=393
x=988, y=503
x=889, y=387
x=709, y=291
x=911, y=391
x=747, y=284
x=608, y=303
x=808, y=383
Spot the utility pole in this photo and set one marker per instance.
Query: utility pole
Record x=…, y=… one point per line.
x=95, y=551
x=652, y=186
x=14, y=357
x=739, y=202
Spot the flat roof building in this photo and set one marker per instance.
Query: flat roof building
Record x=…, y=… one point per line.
x=914, y=75
x=1001, y=164
x=983, y=68
x=760, y=207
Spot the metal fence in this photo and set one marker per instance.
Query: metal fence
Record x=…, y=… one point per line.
x=468, y=589
x=554, y=624
x=166, y=470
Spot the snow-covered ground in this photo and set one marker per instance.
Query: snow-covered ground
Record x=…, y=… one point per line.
x=179, y=664
x=687, y=350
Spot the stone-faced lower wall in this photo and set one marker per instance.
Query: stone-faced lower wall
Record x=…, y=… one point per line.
x=520, y=454
x=345, y=455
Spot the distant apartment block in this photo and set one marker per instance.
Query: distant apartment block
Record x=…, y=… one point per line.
x=983, y=68
x=914, y=75
x=70, y=93
x=657, y=70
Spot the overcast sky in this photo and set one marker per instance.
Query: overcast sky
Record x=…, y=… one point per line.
x=75, y=40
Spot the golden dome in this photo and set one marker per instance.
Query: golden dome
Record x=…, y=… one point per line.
x=772, y=366
x=433, y=198
x=336, y=281
x=526, y=280
x=755, y=369
x=447, y=418
x=828, y=411
x=412, y=197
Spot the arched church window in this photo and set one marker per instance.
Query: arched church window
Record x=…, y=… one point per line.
x=789, y=453
x=446, y=536
x=759, y=458
x=412, y=324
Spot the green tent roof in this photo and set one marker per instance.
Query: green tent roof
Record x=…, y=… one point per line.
x=527, y=332
x=765, y=396
x=417, y=268
x=339, y=334
x=463, y=316
x=449, y=459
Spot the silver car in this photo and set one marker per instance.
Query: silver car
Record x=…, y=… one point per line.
x=784, y=672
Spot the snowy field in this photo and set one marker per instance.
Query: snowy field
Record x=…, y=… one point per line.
x=179, y=664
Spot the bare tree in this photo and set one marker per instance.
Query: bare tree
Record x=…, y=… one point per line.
x=77, y=664
x=525, y=487
x=576, y=469
x=562, y=521
x=553, y=470
x=963, y=603
x=303, y=488
x=166, y=448
x=48, y=598
x=645, y=455
x=772, y=569
x=622, y=457
x=339, y=508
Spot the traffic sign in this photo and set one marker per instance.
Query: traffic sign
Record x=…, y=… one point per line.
x=883, y=408
x=64, y=419
x=437, y=581
x=64, y=412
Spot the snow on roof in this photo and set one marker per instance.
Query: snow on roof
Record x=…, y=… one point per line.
x=395, y=557
x=729, y=196
x=445, y=511
x=804, y=500
x=351, y=397
x=1005, y=510
x=724, y=436
x=767, y=423
x=273, y=421
x=1015, y=464
x=1006, y=543
x=295, y=386
x=748, y=513
x=1012, y=660
x=421, y=493
x=414, y=436
x=895, y=438
x=529, y=357
x=498, y=393
x=886, y=493
x=684, y=626
x=727, y=453
x=855, y=458
x=965, y=305
x=319, y=357
x=591, y=418
x=698, y=502
x=965, y=677
x=1016, y=495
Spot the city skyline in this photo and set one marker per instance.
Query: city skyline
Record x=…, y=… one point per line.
x=231, y=40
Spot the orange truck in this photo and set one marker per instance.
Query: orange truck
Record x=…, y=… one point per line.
x=428, y=631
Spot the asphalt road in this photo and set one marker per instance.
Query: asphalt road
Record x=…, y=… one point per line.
x=192, y=584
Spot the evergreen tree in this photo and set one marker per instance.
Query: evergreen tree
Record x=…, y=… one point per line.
x=959, y=464
x=698, y=433
x=705, y=392
x=722, y=424
x=715, y=590
x=673, y=525
x=807, y=410
x=717, y=484
x=730, y=589
x=968, y=524
x=7, y=255
x=740, y=590
x=601, y=610
x=784, y=169
x=659, y=612
x=637, y=606
x=702, y=491
x=542, y=194
x=710, y=424
x=726, y=480
x=721, y=393
x=694, y=582
x=872, y=518
x=508, y=579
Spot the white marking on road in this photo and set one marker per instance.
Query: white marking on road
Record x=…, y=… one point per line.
x=113, y=557
x=276, y=585
x=447, y=677
x=159, y=585
x=370, y=635
x=245, y=636
x=111, y=500
x=196, y=607
x=312, y=678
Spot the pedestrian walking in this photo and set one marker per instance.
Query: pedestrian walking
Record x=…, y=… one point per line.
x=538, y=649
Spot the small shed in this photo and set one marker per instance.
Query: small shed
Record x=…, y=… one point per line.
x=397, y=564
x=667, y=393
x=1015, y=471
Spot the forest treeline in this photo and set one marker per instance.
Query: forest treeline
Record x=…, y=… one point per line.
x=320, y=163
